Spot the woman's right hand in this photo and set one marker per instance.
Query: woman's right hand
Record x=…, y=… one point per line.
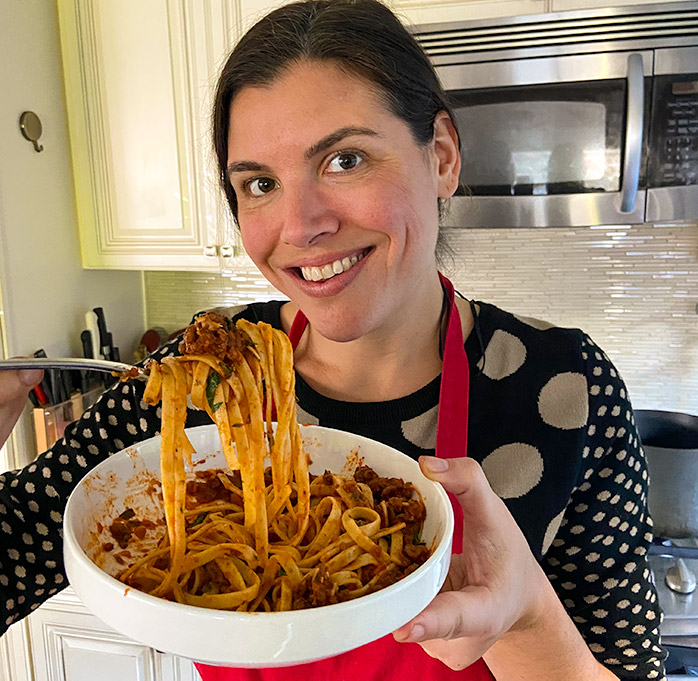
x=497, y=602
x=14, y=392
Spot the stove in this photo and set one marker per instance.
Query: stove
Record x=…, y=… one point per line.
x=679, y=628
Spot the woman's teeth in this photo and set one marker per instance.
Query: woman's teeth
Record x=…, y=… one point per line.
x=328, y=271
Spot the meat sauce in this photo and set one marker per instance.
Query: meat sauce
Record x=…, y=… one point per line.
x=317, y=588
x=208, y=487
x=124, y=527
x=397, y=494
x=402, y=507
x=212, y=334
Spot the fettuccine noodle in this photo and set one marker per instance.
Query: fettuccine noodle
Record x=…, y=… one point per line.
x=273, y=541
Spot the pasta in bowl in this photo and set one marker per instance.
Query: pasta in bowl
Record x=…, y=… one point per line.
x=131, y=480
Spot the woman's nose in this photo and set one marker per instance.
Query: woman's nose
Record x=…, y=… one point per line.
x=307, y=217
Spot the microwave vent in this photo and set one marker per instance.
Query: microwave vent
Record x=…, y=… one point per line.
x=609, y=29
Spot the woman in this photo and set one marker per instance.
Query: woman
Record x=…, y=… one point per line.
x=336, y=147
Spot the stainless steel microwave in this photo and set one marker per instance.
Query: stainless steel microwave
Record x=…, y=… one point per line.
x=573, y=118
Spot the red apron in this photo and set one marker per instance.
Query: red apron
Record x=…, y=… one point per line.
x=386, y=659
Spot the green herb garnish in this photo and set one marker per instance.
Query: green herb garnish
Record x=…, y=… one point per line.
x=416, y=539
x=211, y=386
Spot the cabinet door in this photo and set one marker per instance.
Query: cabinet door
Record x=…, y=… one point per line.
x=69, y=644
x=564, y=5
x=422, y=11
x=15, y=654
x=139, y=80
x=437, y=11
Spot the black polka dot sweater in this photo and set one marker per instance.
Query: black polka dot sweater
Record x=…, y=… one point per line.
x=550, y=422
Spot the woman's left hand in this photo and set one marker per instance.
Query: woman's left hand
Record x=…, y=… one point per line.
x=494, y=587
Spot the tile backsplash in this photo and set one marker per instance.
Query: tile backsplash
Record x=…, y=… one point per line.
x=634, y=289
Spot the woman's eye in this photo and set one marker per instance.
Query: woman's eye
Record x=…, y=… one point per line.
x=344, y=161
x=260, y=186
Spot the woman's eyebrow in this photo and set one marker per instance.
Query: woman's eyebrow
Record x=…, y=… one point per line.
x=245, y=166
x=318, y=147
x=337, y=136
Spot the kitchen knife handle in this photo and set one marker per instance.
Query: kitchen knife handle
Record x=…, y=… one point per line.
x=108, y=346
x=91, y=323
x=47, y=381
x=86, y=340
x=101, y=325
x=41, y=395
x=105, y=340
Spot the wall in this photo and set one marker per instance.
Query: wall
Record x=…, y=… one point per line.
x=634, y=289
x=45, y=292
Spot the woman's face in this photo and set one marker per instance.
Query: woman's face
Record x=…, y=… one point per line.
x=337, y=204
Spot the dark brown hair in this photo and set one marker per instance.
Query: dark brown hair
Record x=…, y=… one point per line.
x=362, y=37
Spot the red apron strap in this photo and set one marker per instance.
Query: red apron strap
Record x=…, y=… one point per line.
x=452, y=426
x=452, y=423
x=385, y=659
x=300, y=321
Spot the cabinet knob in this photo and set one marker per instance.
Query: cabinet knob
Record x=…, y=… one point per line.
x=227, y=251
x=210, y=251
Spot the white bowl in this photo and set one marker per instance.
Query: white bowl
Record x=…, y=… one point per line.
x=245, y=639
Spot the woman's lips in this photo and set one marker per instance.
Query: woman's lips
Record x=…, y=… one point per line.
x=335, y=283
x=331, y=269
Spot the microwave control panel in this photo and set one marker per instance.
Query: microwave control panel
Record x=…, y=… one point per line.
x=673, y=154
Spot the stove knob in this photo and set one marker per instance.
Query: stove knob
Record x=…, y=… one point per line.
x=680, y=579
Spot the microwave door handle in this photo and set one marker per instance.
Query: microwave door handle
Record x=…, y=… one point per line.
x=635, y=107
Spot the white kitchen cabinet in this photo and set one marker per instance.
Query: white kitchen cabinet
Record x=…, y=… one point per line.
x=69, y=644
x=417, y=12
x=15, y=655
x=564, y=5
x=436, y=11
x=139, y=80
x=423, y=11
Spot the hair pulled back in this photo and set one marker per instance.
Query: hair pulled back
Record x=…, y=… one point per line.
x=362, y=37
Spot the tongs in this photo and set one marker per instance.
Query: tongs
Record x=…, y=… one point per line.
x=71, y=363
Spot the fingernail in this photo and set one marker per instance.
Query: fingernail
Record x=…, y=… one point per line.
x=30, y=376
x=417, y=633
x=435, y=464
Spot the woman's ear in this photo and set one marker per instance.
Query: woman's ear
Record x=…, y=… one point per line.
x=447, y=153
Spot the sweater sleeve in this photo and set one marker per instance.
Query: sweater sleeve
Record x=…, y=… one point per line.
x=598, y=559
x=33, y=498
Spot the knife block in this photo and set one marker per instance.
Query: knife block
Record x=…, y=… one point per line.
x=50, y=421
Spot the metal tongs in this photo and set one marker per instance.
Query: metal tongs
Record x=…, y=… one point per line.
x=71, y=363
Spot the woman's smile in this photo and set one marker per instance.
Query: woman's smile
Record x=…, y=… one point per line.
x=320, y=272
x=326, y=275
